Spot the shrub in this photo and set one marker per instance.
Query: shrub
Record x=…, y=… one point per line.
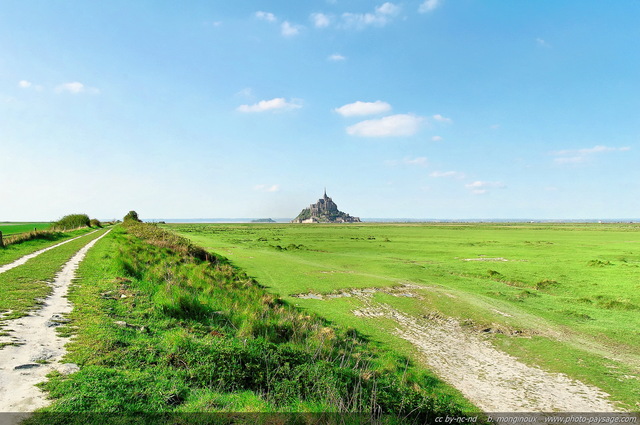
x=94, y=222
x=131, y=216
x=73, y=221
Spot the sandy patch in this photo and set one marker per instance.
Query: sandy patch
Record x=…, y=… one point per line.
x=491, y=379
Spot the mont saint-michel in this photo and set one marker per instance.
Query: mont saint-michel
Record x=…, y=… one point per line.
x=324, y=211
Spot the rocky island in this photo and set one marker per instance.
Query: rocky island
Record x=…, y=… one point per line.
x=324, y=211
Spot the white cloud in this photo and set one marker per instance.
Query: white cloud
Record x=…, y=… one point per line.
x=24, y=84
x=288, y=30
x=589, y=151
x=276, y=104
x=542, y=43
x=381, y=16
x=442, y=119
x=429, y=6
x=452, y=174
x=320, y=20
x=336, y=57
x=245, y=92
x=363, y=108
x=388, y=9
x=76, y=88
x=266, y=16
x=267, y=188
x=577, y=156
x=393, y=125
x=420, y=161
x=479, y=187
x=437, y=138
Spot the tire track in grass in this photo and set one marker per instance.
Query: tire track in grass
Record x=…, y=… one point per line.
x=20, y=261
x=491, y=379
x=23, y=366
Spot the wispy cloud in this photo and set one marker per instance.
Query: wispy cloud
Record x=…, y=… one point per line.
x=24, y=84
x=437, y=138
x=393, y=125
x=277, y=104
x=76, y=88
x=266, y=188
x=320, y=20
x=429, y=6
x=442, y=119
x=481, y=187
x=245, y=92
x=380, y=17
x=542, y=43
x=266, y=16
x=360, y=108
x=420, y=161
x=288, y=29
x=336, y=57
x=449, y=174
x=577, y=156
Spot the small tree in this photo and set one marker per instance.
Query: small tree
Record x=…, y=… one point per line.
x=131, y=216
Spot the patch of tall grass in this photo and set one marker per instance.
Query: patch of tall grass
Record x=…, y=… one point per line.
x=29, y=236
x=157, y=310
x=73, y=221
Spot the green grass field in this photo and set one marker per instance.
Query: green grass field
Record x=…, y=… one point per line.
x=159, y=330
x=562, y=296
x=10, y=229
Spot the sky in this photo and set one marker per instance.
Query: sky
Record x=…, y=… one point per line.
x=445, y=109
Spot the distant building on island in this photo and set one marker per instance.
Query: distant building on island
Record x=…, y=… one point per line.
x=324, y=211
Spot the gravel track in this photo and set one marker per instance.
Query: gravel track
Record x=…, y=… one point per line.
x=40, y=348
x=491, y=379
x=20, y=261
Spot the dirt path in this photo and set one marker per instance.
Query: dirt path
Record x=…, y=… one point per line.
x=23, y=366
x=20, y=261
x=491, y=379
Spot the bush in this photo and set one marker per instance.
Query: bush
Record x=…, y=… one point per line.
x=131, y=216
x=73, y=221
x=95, y=223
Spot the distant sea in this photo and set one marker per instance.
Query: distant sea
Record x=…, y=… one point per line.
x=405, y=220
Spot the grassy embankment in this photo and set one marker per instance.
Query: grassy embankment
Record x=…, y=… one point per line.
x=25, y=286
x=162, y=326
x=564, y=297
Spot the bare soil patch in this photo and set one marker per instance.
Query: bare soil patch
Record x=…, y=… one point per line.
x=491, y=379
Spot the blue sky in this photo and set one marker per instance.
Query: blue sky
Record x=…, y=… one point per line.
x=418, y=109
